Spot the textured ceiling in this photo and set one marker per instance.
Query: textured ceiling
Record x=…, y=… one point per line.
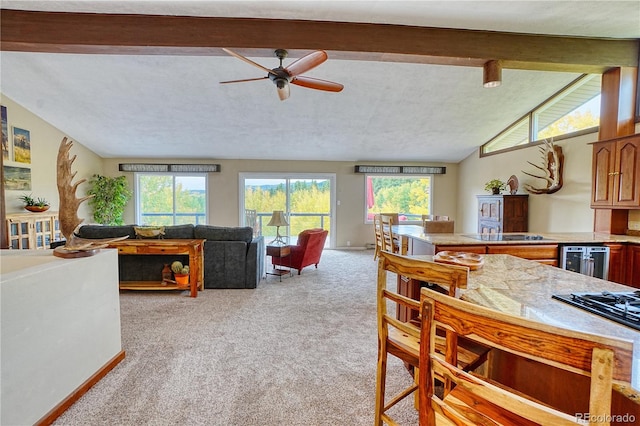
x=173, y=106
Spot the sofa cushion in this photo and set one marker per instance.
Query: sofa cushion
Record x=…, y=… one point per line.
x=179, y=231
x=221, y=233
x=106, y=231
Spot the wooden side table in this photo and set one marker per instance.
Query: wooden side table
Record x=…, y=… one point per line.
x=282, y=252
x=194, y=248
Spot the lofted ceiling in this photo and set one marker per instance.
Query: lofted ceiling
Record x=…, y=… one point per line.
x=393, y=108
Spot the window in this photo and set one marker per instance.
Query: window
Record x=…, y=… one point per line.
x=305, y=198
x=409, y=196
x=171, y=199
x=574, y=109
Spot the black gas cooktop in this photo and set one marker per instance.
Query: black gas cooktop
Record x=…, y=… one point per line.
x=505, y=237
x=621, y=307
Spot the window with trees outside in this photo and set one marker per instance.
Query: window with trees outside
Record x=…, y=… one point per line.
x=164, y=199
x=305, y=199
x=573, y=110
x=409, y=196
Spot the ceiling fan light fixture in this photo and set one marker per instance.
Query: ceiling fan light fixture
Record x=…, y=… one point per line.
x=492, y=74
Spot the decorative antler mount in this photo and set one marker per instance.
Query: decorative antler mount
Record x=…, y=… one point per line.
x=69, y=204
x=553, y=161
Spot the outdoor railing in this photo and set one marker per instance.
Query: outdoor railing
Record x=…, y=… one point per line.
x=181, y=218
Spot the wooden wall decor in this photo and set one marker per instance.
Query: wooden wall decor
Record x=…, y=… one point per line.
x=553, y=160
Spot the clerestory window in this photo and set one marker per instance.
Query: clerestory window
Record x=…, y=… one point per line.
x=573, y=110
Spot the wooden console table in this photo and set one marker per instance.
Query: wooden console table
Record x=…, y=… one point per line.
x=193, y=248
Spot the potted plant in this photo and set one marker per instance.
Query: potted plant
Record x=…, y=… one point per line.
x=34, y=205
x=180, y=273
x=109, y=198
x=495, y=186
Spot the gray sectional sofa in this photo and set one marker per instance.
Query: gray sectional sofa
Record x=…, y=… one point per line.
x=233, y=257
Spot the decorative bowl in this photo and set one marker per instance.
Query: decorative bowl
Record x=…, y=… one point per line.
x=37, y=209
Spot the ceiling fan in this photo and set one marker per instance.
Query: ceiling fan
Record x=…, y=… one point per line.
x=282, y=76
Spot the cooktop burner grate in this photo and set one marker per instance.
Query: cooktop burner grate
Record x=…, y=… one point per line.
x=621, y=307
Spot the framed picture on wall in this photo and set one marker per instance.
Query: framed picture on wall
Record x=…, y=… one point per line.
x=5, y=134
x=17, y=178
x=21, y=145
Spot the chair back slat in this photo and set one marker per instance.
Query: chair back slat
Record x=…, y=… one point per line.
x=474, y=399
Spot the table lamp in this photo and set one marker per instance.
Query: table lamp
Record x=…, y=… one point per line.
x=278, y=219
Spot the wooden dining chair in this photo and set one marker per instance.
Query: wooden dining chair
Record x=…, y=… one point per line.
x=377, y=229
x=474, y=400
x=402, y=339
x=390, y=241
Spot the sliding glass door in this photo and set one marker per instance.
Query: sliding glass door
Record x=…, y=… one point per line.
x=306, y=200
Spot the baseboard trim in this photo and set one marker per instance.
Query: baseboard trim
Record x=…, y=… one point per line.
x=57, y=411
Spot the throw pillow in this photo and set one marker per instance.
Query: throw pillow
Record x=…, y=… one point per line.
x=156, y=232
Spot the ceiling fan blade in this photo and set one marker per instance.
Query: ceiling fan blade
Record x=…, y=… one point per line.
x=283, y=92
x=246, y=79
x=247, y=60
x=306, y=63
x=315, y=83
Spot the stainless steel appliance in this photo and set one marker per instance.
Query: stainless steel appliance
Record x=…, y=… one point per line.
x=621, y=307
x=587, y=260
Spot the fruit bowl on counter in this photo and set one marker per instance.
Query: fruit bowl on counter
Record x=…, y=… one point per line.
x=473, y=261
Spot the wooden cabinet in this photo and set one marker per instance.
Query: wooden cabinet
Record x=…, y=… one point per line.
x=503, y=213
x=624, y=263
x=633, y=265
x=616, y=173
x=617, y=262
x=543, y=253
x=32, y=230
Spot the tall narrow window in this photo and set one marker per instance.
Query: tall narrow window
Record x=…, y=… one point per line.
x=171, y=199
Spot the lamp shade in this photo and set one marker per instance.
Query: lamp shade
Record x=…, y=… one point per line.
x=278, y=219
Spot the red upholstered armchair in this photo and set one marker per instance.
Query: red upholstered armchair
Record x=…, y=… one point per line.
x=307, y=251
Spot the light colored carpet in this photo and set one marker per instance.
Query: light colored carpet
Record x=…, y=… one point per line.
x=297, y=352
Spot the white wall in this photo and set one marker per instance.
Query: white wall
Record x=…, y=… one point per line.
x=58, y=328
x=564, y=211
x=45, y=140
x=567, y=210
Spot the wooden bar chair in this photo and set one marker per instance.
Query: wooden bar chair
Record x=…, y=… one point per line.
x=473, y=400
x=402, y=339
x=390, y=241
x=377, y=229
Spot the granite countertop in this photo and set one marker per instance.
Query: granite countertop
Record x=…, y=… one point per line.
x=416, y=231
x=524, y=288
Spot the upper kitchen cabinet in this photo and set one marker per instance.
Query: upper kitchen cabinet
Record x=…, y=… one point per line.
x=503, y=213
x=616, y=173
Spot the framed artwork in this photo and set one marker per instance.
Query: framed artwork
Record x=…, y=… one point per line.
x=21, y=146
x=17, y=178
x=5, y=134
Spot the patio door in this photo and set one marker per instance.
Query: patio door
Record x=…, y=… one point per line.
x=306, y=199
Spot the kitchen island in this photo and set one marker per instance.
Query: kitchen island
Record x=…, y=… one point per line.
x=525, y=288
x=542, y=247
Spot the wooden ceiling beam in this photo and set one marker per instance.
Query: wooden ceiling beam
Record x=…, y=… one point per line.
x=63, y=32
